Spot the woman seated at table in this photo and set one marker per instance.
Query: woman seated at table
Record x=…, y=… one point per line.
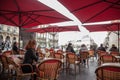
x=30, y=54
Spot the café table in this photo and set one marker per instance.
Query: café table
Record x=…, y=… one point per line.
x=118, y=58
x=111, y=64
x=16, y=58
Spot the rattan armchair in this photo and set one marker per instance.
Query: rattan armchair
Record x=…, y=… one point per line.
x=49, y=69
x=61, y=57
x=115, y=53
x=7, y=53
x=24, y=70
x=107, y=59
x=91, y=54
x=108, y=72
x=84, y=56
x=72, y=59
x=7, y=64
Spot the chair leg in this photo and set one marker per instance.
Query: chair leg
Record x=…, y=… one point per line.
x=75, y=68
x=87, y=63
x=79, y=67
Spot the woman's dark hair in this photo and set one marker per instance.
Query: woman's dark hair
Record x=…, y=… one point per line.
x=30, y=44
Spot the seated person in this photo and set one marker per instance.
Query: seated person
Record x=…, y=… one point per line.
x=70, y=48
x=82, y=50
x=101, y=48
x=15, y=48
x=113, y=48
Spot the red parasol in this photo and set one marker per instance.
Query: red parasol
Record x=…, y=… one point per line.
x=27, y=13
x=112, y=26
x=54, y=29
x=93, y=10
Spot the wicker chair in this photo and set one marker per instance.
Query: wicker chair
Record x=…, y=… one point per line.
x=7, y=64
x=115, y=53
x=100, y=53
x=85, y=56
x=107, y=58
x=72, y=59
x=91, y=54
x=7, y=53
x=21, y=51
x=108, y=72
x=60, y=51
x=24, y=70
x=61, y=57
x=49, y=69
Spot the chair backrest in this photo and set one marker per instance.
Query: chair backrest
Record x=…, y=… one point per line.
x=84, y=55
x=24, y=70
x=108, y=72
x=7, y=53
x=52, y=52
x=7, y=61
x=115, y=53
x=100, y=53
x=22, y=51
x=60, y=51
x=71, y=57
x=91, y=52
x=41, y=55
x=49, y=69
x=108, y=58
x=4, y=61
x=58, y=55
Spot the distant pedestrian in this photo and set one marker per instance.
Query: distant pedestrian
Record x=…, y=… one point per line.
x=15, y=48
x=2, y=45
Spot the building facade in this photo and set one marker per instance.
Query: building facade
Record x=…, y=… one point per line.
x=112, y=38
x=10, y=34
x=47, y=39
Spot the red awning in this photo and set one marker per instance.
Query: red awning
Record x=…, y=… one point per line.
x=27, y=13
x=93, y=10
x=54, y=29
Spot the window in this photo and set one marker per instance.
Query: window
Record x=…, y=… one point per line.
x=8, y=29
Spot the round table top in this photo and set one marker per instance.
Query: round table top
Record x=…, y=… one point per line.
x=111, y=64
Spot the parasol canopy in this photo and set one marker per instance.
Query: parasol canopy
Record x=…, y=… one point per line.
x=27, y=13
x=93, y=10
